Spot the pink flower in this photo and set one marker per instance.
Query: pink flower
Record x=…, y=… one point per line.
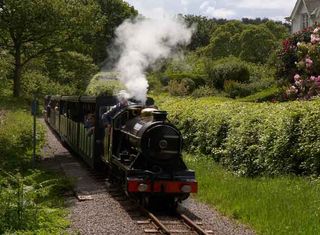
x=292, y=90
x=296, y=77
x=309, y=62
x=315, y=38
x=316, y=30
x=312, y=78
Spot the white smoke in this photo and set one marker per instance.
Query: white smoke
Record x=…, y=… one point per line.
x=142, y=42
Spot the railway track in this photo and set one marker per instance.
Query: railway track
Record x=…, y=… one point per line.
x=178, y=223
x=159, y=222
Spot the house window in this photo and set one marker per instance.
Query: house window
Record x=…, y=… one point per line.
x=305, y=21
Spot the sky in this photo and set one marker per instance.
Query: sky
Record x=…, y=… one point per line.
x=229, y=9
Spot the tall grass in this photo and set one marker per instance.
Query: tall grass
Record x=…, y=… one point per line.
x=282, y=205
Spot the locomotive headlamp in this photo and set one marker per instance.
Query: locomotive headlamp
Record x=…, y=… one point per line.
x=163, y=144
x=186, y=188
x=142, y=187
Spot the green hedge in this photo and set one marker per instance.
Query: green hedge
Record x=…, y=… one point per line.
x=251, y=138
x=104, y=83
x=198, y=79
x=228, y=68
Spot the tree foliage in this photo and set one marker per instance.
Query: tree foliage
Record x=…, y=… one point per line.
x=115, y=12
x=225, y=40
x=251, y=42
x=204, y=29
x=31, y=29
x=256, y=44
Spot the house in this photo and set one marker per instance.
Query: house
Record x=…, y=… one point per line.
x=305, y=14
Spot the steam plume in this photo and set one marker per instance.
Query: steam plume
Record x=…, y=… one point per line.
x=142, y=42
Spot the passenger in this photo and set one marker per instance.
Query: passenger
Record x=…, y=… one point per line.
x=89, y=123
x=107, y=116
x=48, y=109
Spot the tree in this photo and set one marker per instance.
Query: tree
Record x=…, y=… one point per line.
x=71, y=69
x=30, y=29
x=225, y=40
x=204, y=29
x=257, y=42
x=115, y=12
x=279, y=30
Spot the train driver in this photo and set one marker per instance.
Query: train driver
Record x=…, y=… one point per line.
x=107, y=116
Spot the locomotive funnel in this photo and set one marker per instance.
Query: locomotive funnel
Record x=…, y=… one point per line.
x=159, y=115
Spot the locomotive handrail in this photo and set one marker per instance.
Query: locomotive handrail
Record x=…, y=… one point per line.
x=128, y=133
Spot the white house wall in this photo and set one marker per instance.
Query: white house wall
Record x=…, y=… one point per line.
x=297, y=19
x=296, y=24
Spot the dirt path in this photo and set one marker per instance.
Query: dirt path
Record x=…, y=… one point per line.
x=102, y=214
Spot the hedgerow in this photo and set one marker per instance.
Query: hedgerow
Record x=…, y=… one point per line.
x=251, y=138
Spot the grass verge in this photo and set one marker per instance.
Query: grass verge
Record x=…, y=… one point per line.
x=31, y=199
x=281, y=205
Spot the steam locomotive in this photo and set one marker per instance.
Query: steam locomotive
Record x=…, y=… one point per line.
x=141, y=150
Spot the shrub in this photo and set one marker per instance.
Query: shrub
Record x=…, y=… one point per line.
x=299, y=64
x=198, y=80
x=228, y=68
x=204, y=91
x=251, y=138
x=104, y=83
x=272, y=93
x=181, y=88
x=235, y=89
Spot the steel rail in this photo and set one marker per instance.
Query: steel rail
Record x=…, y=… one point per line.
x=164, y=229
x=193, y=225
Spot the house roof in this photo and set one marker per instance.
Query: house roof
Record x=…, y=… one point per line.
x=316, y=13
x=311, y=5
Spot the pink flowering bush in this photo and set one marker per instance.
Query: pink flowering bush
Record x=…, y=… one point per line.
x=300, y=57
